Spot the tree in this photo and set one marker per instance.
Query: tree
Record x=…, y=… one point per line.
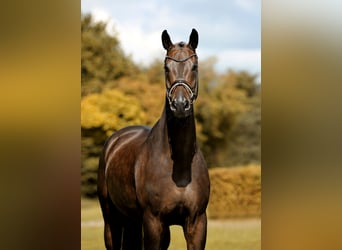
x=102, y=58
x=216, y=112
x=228, y=116
x=155, y=72
x=242, y=80
x=244, y=137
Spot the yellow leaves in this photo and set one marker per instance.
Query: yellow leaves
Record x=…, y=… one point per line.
x=110, y=110
x=151, y=96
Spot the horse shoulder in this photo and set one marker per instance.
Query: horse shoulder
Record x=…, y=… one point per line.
x=120, y=156
x=200, y=174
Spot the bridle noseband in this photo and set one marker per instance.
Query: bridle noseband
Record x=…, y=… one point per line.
x=185, y=85
x=182, y=83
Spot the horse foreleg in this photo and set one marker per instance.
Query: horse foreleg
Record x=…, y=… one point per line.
x=195, y=232
x=165, y=240
x=112, y=226
x=132, y=237
x=156, y=235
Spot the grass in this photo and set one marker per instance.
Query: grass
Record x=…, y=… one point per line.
x=239, y=234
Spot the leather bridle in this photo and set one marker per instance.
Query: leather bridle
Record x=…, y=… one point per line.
x=180, y=60
x=183, y=83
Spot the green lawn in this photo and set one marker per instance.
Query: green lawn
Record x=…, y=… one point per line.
x=242, y=234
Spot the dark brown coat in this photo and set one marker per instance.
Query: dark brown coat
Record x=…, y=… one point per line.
x=150, y=179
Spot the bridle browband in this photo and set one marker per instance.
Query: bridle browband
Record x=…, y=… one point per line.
x=180, y=60
x=182, y=83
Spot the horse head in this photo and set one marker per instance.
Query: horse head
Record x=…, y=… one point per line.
x=181, y=74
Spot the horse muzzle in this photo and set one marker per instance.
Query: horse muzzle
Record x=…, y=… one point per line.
x=180, y=106
x=180, y=99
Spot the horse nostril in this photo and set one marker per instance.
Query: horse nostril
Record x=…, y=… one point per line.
x=180, y=104
x=174, y=104
x=186, y=104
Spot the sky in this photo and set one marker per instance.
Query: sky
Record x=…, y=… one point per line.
x=228, y=30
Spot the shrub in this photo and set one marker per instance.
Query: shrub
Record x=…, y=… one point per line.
x=235, y=192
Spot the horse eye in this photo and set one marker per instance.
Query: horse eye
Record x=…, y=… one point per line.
x=194, y=67
x=166, y=68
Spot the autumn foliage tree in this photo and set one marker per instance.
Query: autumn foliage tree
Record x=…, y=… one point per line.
x=102, y=58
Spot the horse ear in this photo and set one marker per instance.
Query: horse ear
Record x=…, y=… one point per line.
x=166, y=40
x=193, y=40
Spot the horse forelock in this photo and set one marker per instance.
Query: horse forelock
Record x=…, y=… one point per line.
x=181, y=44
x=180, y=51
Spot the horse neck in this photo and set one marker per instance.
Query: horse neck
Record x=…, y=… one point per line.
x=181, y=135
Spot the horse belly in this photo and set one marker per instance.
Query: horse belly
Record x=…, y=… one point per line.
x=121, y=155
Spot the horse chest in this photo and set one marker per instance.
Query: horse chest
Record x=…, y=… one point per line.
x=166, y=198
x=156, y=188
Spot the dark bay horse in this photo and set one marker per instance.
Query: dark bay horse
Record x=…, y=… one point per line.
x=150, y=179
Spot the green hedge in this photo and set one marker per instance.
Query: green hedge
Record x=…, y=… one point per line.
x=235, y=192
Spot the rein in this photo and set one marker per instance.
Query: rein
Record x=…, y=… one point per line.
x=182, y=83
